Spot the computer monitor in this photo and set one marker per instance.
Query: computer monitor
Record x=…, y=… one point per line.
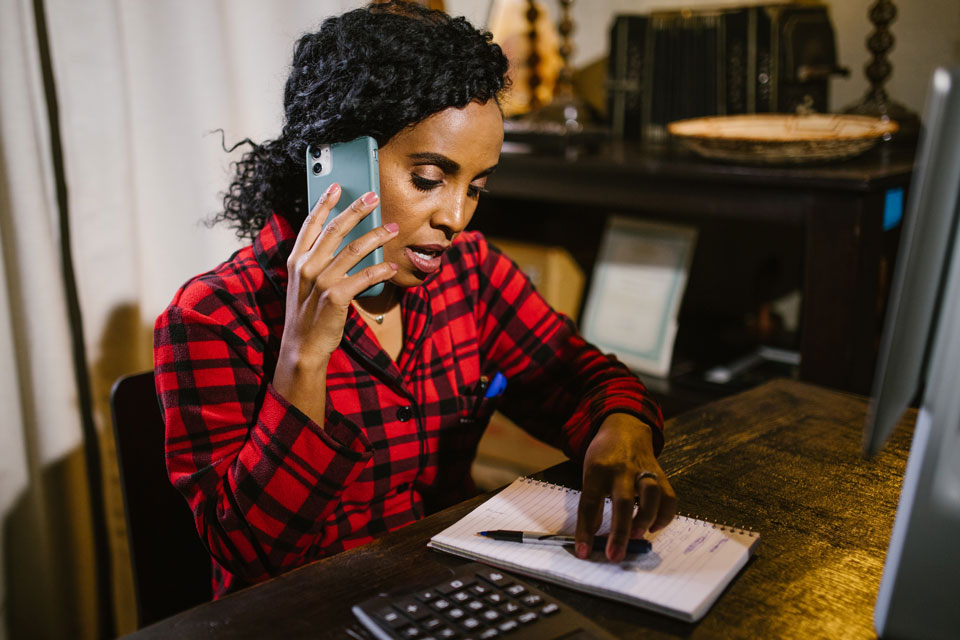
x=919, y=595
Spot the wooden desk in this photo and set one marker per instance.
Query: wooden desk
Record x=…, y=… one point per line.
x=782, y=459
x=821, y=224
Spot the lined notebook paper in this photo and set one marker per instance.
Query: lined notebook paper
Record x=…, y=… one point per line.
x=690, y=564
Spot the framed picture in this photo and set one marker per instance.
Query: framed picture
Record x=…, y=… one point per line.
x=638, y=285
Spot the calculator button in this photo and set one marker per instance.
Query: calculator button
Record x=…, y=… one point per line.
x=531, y=600
x=427, y=596
x=456, y=613
x=410, y=632
x=469, y=623
x=508, y=626
x=446, y=632
x=509, y=607
x=430, y=623
x=496, y=598
x=495, y=577
x=412, y=608
x=393, y=619
x=479, y=589
x=475, y=605
x=527, y=618
x=489, y=633
x=454, y=585
x=490, y=615
x=441, y=604
x=461, y=596
x=516, y=590
x=547, y=609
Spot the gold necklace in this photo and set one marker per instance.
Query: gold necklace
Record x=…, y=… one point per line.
x=376, y=318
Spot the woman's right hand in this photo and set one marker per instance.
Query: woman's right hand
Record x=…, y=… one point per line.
x=319, y=291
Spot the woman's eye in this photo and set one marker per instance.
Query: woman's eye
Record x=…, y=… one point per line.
x=423, y=184
x=475, y=190
x=426, y=184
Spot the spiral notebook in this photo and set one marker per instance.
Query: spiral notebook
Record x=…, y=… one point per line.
x=689, y=565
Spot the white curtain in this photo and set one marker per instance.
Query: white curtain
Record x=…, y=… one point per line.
x=40, y=425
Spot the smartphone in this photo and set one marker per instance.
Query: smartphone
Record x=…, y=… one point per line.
x=355, y=167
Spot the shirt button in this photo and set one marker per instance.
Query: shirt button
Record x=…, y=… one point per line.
x=404, y=413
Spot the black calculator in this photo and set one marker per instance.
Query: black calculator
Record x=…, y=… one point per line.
x=476, y=602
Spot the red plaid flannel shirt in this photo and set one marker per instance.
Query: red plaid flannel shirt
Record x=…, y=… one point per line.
x=271, y=490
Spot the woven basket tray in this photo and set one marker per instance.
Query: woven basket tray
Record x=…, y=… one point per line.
x=781, y=138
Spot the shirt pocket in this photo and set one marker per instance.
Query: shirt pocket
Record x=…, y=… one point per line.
x=475, y=409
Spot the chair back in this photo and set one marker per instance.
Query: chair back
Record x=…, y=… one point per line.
x=171, y=566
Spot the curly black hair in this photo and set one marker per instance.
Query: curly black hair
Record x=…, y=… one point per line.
x=372, y=71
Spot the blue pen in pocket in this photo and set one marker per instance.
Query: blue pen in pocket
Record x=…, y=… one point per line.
x=497, y=386
x=485, y=390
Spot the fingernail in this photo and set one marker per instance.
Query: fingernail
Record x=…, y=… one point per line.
x=582, y=550
x=370, y=198
x=332, y=188
x=394, y=265
x=392, y=227
x=616, y=553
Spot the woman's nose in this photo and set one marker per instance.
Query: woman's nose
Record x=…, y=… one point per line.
x=454, y=213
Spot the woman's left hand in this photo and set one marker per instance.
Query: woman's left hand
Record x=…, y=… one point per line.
x=620, y=463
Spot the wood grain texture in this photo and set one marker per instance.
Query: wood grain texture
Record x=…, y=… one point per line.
x=783, y=460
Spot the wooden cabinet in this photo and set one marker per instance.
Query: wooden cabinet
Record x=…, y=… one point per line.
x=822, y=227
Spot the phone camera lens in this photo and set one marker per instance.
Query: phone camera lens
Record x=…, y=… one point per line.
x=315, y=152
x=317, y=168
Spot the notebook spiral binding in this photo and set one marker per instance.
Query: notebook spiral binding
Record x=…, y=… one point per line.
x=549, y=485
x=720, y=526
x=694, y=519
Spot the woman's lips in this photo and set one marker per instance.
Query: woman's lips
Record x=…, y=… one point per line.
x=425, y=258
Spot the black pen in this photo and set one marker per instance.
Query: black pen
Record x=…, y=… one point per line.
x=534, y=537
x=479, y=392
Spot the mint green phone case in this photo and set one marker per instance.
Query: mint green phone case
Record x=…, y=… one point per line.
x=355, y=167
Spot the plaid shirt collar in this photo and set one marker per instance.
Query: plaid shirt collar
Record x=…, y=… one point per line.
x=272, y=247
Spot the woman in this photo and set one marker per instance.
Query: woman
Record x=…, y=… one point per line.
x=302, y=421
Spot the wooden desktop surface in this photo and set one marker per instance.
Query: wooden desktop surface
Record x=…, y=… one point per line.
x=782, y=459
